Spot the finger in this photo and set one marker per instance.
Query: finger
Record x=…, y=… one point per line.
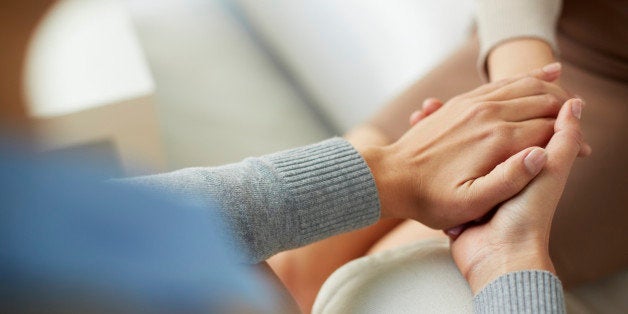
x=454, y=232
x=566, y=142
x=530, y=107
x=430, y=105
x=528, y=86
x=536, y=132
x=509, y=138
x=507, y=179
x=561, y=151
x=585, y=150
x=548, y=73
x=534, y=107
x=416, y=116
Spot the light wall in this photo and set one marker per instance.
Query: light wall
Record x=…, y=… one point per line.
x=84, y=54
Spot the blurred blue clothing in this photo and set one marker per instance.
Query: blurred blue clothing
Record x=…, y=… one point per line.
x=66, y=237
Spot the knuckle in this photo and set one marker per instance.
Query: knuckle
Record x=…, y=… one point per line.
x=573, y=137
x=503, y=82
x=471, y=201
x=577, y=136
x=509, y=178
x=552, y=100
x=493, y=135
x=505, y=131
x=485, y=109
x=533, y=83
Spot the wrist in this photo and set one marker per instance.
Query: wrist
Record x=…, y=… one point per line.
x=385, y=178
x=373, y=156
x=500, y=262
x=529, y=54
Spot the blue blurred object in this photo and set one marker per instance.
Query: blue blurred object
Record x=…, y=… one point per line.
x=70, y=240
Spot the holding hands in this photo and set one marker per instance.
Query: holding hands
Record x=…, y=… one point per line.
x=515, y=235
x=475, y=152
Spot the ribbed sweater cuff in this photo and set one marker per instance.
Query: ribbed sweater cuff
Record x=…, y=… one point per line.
x=502, y=20
x=528, y=291
x=331, y=189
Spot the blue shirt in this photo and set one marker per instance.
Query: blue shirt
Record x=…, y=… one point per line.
x=68, y=237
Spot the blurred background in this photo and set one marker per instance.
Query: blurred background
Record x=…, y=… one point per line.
x=157, y=85
x=164, y=84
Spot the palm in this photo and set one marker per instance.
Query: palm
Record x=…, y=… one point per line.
x=471, y=246
x=513, y=222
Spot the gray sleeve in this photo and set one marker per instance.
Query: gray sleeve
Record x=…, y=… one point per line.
x=502, y=20
x=528, y=291
x=283, y=200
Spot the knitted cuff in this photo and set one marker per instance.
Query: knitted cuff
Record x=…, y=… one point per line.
x=331, y=189
x=528, y=291
x=502, y=20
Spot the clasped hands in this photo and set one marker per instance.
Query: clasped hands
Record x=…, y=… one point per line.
x=481, y=153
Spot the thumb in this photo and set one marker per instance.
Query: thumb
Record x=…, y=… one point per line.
x=567, y=140
x=508, y=178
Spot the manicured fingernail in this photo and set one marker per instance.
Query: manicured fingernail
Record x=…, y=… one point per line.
x=535, y=160
x=576, y=107
x=455, y=231
x=552, y=68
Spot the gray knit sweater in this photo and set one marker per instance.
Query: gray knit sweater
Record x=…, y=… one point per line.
x=292, y=198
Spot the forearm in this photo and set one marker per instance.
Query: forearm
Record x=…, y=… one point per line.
x=518, y=56
x=283, y=200
x=516, y=35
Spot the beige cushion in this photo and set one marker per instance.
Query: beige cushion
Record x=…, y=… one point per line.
x=418, y=278
x=423, y=278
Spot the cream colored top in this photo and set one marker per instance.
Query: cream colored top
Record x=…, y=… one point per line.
x=502, y=20
x=592, y=34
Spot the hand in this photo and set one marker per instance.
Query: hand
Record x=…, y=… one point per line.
x=432, y=104
x=446, y=170
x=517, y=236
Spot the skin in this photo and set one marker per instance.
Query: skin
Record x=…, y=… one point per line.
x=417, y=149
x=517, y=236
x=492, y=123
x=502, y=105
x=529, y=53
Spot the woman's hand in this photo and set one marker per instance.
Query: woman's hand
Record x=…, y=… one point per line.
x=470, y=155
x=517, y=236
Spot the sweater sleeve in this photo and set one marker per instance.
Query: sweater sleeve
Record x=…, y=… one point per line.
x=283, y=200
x=502, y=20
x=529, y=291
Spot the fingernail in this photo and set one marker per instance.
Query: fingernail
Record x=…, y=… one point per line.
x=455, y=231
x=552, y=68
x=535, y=160
x=576, y=107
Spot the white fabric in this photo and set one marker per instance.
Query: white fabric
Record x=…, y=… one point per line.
x=419, y=278
x=422, y=278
